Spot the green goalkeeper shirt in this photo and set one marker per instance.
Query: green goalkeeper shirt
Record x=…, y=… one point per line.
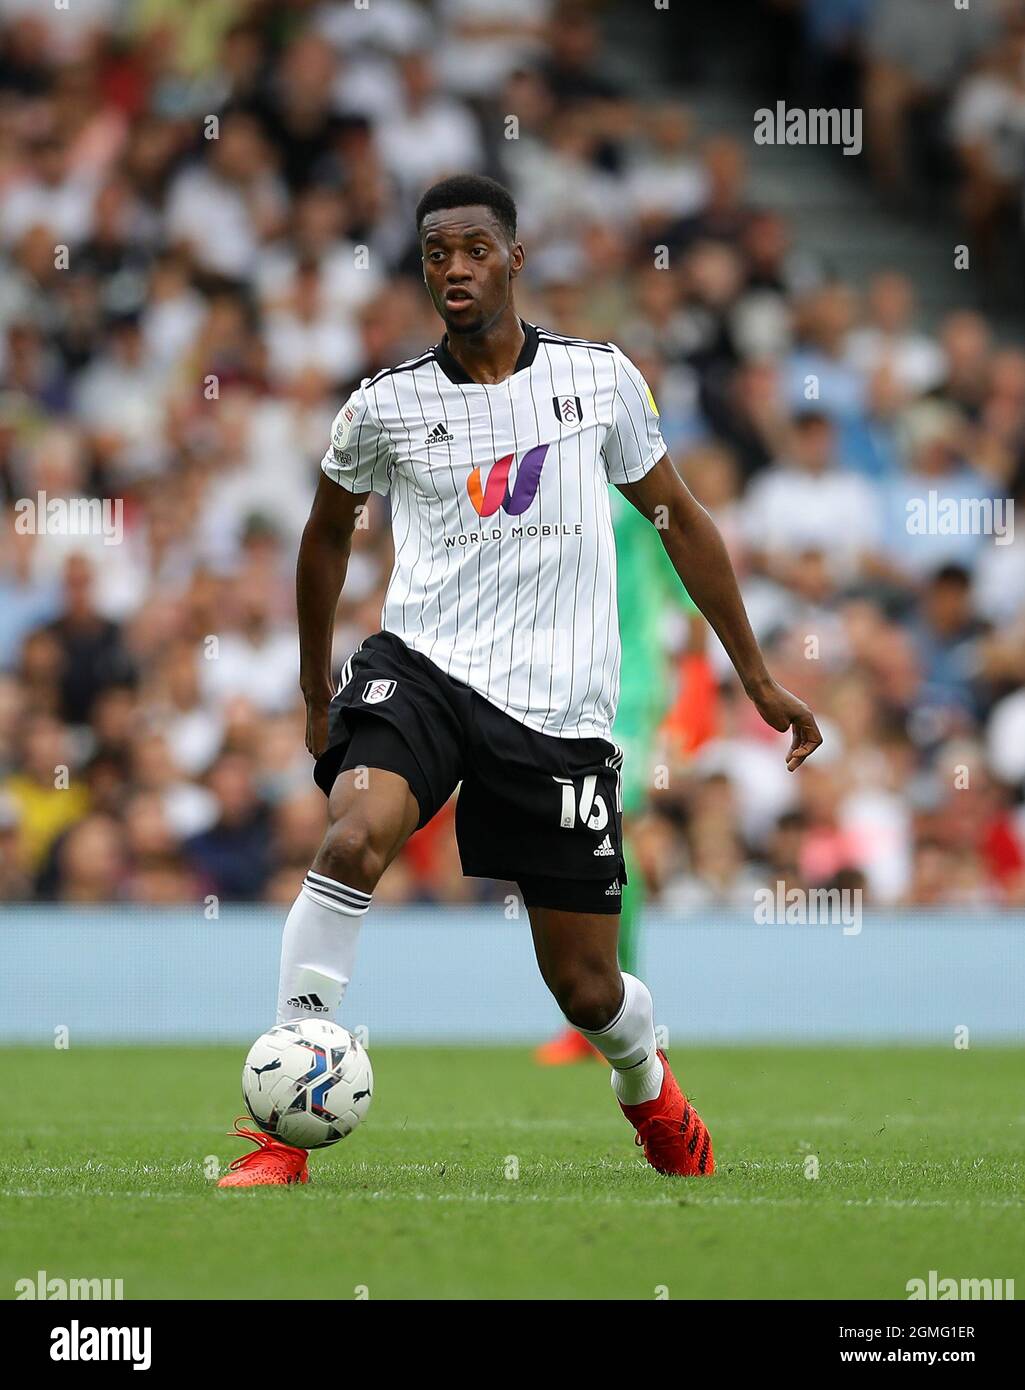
x=647, y=585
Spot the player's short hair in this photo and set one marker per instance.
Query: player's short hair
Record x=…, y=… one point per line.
x=468, y=191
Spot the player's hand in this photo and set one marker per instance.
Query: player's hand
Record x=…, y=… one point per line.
x=316, y=721
x=785, y=711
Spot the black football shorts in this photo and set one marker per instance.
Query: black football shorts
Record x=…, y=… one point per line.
x=540, y=811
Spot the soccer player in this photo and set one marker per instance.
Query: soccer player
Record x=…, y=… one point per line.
x=497, y=665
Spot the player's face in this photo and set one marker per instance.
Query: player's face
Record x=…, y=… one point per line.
x=469, y=266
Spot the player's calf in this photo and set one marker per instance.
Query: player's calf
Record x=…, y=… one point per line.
x=626, y=1039
x=672, y=1134
x=368, y=825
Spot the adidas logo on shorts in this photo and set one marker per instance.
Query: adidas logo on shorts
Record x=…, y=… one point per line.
x=605, y=848
x=614, y=890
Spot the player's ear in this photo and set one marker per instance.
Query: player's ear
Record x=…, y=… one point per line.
x=516, y=258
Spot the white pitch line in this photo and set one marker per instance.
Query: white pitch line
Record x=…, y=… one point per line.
x=535, y=1167
x=796, y=1125
x=685, y=1197
x=496, y=1124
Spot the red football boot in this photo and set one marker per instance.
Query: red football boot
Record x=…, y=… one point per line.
x=671, y=1131
x=569, y=1046
x=269, y=1163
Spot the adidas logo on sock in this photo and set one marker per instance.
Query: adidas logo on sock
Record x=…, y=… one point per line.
x=311, y=1002
x=613, y=890
x=438, y=435
x=605, y=847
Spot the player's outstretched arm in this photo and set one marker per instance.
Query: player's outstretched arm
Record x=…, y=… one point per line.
x=695, y=547
x=319, y=575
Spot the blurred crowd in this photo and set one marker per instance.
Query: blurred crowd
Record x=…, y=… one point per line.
x=942, y=87
x=206, y=240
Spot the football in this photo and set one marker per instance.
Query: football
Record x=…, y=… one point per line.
x=307, y=1083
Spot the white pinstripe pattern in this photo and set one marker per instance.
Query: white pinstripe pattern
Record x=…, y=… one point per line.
x=527, y=617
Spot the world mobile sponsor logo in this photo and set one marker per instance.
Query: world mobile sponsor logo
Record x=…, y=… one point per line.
x=531, y=531
x=488, y=497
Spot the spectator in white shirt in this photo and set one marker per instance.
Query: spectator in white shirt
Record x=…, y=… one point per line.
x=889, y=339
x=50, y=195
x=224, y=208
x=431, y=136
x=485, y=40
x=807, y=503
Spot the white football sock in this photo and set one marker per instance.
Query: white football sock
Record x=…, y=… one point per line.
x=628, y=1042
x=318, y=948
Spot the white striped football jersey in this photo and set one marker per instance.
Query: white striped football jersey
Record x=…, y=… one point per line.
x=505, y=562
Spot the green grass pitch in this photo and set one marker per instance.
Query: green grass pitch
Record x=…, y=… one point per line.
x=919, y=1152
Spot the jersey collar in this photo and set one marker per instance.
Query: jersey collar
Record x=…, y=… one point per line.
x=459, y=377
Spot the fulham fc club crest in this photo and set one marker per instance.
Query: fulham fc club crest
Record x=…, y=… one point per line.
x=568, y=410
x=376, y=691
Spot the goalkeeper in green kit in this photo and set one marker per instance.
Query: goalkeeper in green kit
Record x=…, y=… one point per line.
x=648, y=587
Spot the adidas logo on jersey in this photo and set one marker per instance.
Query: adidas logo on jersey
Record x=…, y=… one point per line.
x=605, y=847
x=438, y=435
x=311, y=1002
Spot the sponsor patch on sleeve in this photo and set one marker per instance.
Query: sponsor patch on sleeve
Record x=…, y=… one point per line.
x=343, y=423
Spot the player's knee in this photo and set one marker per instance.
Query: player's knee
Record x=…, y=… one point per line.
x=352, y=854
x=589, y=998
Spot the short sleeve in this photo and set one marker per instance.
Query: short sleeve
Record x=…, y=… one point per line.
x=360, y=455
x=634, y=443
